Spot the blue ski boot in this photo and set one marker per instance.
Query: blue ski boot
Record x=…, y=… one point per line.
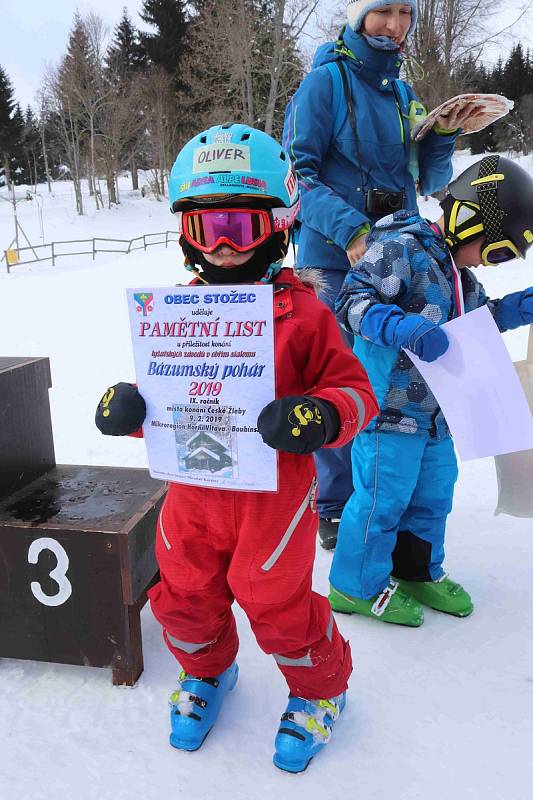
x=305, y=728
x=195, y=704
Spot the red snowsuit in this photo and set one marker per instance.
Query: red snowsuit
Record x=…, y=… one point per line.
x=216, y=546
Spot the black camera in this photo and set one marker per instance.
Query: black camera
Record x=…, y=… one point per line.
x=383, y=201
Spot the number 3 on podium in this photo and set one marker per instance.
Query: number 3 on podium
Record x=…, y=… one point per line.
x=58, y=574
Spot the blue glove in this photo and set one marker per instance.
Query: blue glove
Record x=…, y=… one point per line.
x=389, y=326
x=514, y=310
x=421, y=336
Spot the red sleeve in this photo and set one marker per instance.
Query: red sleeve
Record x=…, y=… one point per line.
x=334, y=374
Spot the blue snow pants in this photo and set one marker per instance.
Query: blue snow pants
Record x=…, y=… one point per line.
x=395, y=520
x=334, y=466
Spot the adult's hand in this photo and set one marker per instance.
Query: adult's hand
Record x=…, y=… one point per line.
x=356, y=249
x=456, y=117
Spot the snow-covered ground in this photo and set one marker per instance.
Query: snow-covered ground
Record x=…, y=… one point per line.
x=437, y=712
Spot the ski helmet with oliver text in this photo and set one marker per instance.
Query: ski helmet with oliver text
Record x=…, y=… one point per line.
x=356, y=11
x=493, y=198
x=233, y=160
x=229, y=167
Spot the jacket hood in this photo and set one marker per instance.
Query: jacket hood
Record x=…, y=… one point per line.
x=358, y=54
x=308, y=278
x=410, y=222
x=325, y=54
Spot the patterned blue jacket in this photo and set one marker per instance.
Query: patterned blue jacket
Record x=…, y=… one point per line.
x=407, y=264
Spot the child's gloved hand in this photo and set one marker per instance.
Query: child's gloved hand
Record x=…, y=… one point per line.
x=421, y=336
x=121, y=410
x=298, y=424
x=514, y=310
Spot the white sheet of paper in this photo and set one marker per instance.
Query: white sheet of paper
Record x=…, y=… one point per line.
x=204, y=360
x=478, y=390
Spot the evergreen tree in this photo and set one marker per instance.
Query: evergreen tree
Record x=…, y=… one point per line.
x=514, y=79
x=74, y=82
x=167, y=46
x=10, y=126
x=496, y=76
x=32, y=163
x=76, y=71
x=125, y=59
x=514, y=74
x=125, y=54
x=16, y=163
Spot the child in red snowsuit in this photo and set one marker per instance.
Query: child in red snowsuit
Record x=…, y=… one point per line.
x=215, y=546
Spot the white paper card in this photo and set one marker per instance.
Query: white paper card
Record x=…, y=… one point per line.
x=204, y=360
x=478, y=390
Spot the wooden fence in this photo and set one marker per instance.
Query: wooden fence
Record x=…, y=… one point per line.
x=98, y=244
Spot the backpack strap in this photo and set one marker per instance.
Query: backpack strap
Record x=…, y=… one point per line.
x=337, y=100
x=410, y=111
x=346, y=108
x=403, y=96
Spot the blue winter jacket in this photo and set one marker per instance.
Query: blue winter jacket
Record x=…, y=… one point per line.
x=407, y=264
x=332, y=190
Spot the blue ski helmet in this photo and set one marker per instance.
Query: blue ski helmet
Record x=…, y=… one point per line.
x=233, y=160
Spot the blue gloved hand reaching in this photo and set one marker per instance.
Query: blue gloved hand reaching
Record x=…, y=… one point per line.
x=389, y=326
x=514, y=310
x=421, y=336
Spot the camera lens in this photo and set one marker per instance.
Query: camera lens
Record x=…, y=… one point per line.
x=394, y=200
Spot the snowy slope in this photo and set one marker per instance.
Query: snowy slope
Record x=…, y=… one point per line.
x=438, y=712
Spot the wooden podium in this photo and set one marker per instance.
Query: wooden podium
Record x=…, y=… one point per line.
x=76, y=542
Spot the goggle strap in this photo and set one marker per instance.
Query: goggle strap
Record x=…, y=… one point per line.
x=488, y=200
x=285, y=218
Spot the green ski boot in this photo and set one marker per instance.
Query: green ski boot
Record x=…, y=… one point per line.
x=442, y=595
x=392, y=605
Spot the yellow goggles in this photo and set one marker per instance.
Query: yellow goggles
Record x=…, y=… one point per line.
x=499, y=252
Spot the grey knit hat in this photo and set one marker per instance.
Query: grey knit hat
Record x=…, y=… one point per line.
x=357, y=9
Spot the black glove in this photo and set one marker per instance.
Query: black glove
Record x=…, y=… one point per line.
x=121, y=410
x=298, y=424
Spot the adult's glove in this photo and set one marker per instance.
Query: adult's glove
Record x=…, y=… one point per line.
x=121, y=410
x=514, y=310
x=298, y=424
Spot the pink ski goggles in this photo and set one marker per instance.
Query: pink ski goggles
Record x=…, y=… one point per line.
x=242, y=229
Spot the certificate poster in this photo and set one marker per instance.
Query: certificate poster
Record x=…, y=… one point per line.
x=204, y=360
x=478, y=390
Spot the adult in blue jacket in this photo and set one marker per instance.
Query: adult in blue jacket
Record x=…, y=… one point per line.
x=342, y=159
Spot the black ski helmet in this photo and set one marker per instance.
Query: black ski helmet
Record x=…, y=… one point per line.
x=492, y=198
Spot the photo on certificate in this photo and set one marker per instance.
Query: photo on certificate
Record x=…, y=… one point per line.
x=208, y=447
